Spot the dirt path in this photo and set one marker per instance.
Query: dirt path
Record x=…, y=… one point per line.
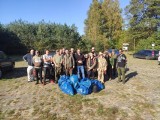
x=138, y=99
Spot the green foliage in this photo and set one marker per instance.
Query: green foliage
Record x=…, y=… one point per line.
x=147, y=43
x=102, y=28
x=22, y=36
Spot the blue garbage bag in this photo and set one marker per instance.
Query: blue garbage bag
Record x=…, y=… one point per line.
x=99, y=85
x=74, y=80
x=85, y=82
x=83, y=90
x=62, y=79
x=65, y=85
x=85, y=87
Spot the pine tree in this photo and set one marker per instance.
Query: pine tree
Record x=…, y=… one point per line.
x=92, y=28
x=144, y=18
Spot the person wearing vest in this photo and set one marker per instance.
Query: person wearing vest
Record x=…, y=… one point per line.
x=37, y=61
x=121, y=62
x=91, y=66
x=28, y=58
x=57, y=60
x=68, y=62
x=102, y=67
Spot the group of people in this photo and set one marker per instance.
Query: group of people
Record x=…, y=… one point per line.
x=102, y=66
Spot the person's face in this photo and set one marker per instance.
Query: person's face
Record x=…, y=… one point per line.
x=78, y=51
x=32, y=52
x=72, y=50
x=37, y=53
x=60, y=51
x=120, y=51
x=66, y=51
x=47, y=52
x=93, y=49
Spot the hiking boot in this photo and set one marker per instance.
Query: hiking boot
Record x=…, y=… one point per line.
x=119, y=81
x=36, y=83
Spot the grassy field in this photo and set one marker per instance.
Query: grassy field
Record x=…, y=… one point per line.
x=138, y=99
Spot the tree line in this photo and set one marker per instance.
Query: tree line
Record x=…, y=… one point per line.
x=104, y=28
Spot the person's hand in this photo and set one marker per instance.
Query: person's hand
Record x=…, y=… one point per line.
x=80, y=61
x=112, y=67
x=73, y=66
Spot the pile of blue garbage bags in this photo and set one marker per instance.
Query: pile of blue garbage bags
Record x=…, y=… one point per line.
x=72, y=85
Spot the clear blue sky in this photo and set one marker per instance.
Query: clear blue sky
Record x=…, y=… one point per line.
x=58, y=11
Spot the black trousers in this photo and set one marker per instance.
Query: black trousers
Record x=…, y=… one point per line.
x=38, y=74
x=47, y=73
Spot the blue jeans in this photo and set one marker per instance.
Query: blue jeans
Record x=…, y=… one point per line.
x=80, y=68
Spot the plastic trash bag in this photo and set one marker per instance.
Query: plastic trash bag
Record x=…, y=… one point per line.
x=99, y=85
x=85, y=87
x=83, y=90
x=74, y=80
x=65, y=85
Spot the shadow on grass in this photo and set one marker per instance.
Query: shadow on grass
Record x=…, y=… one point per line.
x=16, y=73
x=131, y=75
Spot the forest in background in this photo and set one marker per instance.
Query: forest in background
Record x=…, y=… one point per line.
x=104, y=28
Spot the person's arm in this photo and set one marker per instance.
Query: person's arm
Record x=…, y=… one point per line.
x=73, y=61
x=25, y=57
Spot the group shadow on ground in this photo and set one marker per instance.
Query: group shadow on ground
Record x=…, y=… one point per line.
x=131, y=75
x=16, y=73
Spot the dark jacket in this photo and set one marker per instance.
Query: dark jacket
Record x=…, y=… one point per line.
x=79, y=57
x=121, y=60
x=29, y=58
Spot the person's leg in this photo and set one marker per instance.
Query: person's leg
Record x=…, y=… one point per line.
x=102, y=78
x=40, y=74
x=123, y=74
x=78, y=71
x=45, y=72
x=99, y=75
x=89, y=74
x=29, y=72
x=37, y=71
x=70, y=71
x=119, y=74
x=82, y=71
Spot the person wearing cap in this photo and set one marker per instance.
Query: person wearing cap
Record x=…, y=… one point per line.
x=121, y=63
x=91, y=66
x=102, y=67
x=47, y=59
x=68, y=62
x=80, y=63
x=37, y=61
x=57, y=60
x=29, y=58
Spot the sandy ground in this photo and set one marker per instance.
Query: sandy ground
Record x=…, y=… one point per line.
x=138, y=99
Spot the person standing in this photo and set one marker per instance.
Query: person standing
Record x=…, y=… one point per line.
x=159, y=58
x=47, y=59
x=37, y=61
x=72, y=52
x=57, y=60
x=68, y=62
x=121, y=62
x=91, y=66
x=80, y=63
x=29, y=58
x=113, y=63
x=102, y=67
